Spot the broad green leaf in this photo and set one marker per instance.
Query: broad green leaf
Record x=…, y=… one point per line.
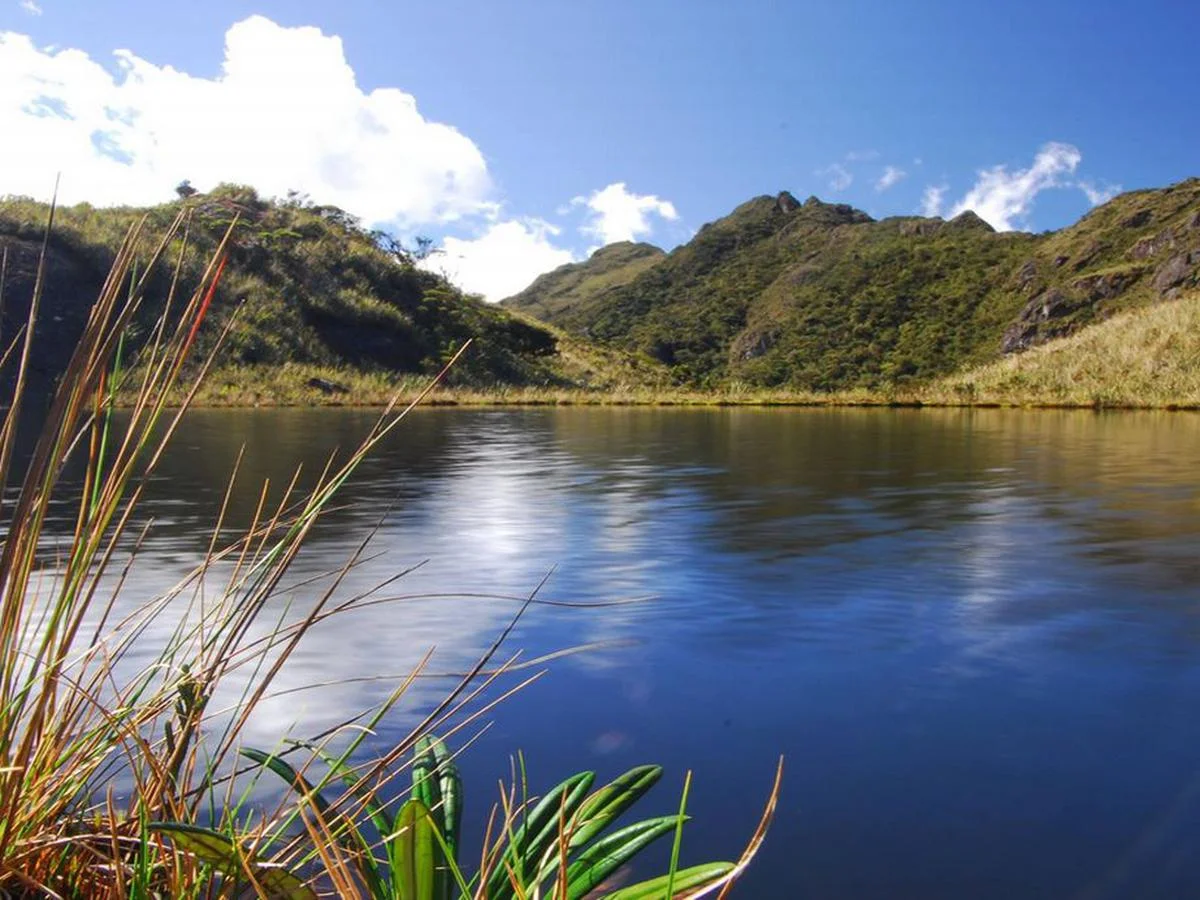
x=285, y=771
x=413, y=871
x=379, y=813
x=450, y=785
x=353, y=840
x=523, y=856
x=684, y=880
x=220, y=852
x=604, y=806
x=608, y=854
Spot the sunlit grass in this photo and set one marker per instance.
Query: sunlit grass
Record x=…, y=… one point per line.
x=1146, y=358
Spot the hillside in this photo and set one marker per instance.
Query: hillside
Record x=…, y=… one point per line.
x=609, y=267
x=317, y=293
x=818, y=296
x=1143, y=357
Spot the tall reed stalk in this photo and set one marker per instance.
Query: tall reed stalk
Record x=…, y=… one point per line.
x=118, y=777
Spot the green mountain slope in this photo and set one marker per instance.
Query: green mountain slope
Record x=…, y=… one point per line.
x=313, y=288
x=820, y=296
x=607, y=268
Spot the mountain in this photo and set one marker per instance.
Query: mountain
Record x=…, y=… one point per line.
x=313, y=287
x=821, y=296
x=609, y=267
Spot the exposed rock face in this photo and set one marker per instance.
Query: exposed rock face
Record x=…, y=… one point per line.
x=1090, y=252
x=1107, y=285
x=753, y=344
x=1139, y=219
x=1035, y=325
x=1027, y=275
x=1152, y=246
x=1176, y=271
x=785, y=202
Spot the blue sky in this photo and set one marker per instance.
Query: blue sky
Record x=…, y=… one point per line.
x=574, y=123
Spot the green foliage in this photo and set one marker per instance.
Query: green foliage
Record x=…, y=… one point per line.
x=820, y=297
x=609, y=267
x=560, y=846
x=313, y=286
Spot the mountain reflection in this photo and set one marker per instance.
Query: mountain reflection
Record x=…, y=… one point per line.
x=973, y=632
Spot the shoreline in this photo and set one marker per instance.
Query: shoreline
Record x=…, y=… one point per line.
x=467, y=399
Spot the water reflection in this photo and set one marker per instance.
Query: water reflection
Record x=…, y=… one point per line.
x=973, y=632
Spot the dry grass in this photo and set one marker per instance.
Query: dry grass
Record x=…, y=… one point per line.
x=1146, y=358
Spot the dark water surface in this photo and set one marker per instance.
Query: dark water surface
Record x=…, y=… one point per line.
x=975, y=635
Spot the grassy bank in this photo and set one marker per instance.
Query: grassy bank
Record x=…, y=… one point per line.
x=1148, y=358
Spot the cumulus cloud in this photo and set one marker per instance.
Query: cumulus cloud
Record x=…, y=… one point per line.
x=933, y=198
x=892, y=175
x=1003, y=199
x=618, y=215
x=501, y=261
x=839, y=176
x=284, y=113
x=31, y=7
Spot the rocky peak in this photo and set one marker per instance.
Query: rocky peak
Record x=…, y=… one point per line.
x=785, y=202
x=968, y=220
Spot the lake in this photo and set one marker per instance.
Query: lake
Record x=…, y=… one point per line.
x=974, y=635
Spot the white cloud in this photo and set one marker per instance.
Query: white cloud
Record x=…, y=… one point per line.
x=862, y=155
x=1003, y=199
x=839, y=176
x=284, y=113
x=31, y=7
x=1097, y=195
x=618, y=215
x=933, y=198
x=503, y=260
x=892, y=175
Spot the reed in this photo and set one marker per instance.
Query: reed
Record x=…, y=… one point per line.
x=122, y=777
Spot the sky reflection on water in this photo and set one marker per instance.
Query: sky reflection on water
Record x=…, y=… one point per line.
x=973, y=634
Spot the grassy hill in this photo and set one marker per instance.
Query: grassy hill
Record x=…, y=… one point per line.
x=1143, y=357
x=609, y=267
x=819, y=296
x=318, y=294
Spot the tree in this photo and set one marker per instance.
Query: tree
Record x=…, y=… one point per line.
x=184, y=189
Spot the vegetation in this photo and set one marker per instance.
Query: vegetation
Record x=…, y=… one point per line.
x=1148, y=357
x=819, y=297
x=779, y=302
x=311, y=287
x=119, y=758
x=609, y=267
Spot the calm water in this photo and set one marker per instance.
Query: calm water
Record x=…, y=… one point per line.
x=974, y=635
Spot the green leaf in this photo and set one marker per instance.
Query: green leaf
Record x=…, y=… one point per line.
x=285, y=771
x=684, y=880
x=450, y=785
x=414, y=873
x=379, y=813
x=600, y=809
x=353, y=840
x=608, y=854
x=426, y=784
x=536, y=834
x=220, y=852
